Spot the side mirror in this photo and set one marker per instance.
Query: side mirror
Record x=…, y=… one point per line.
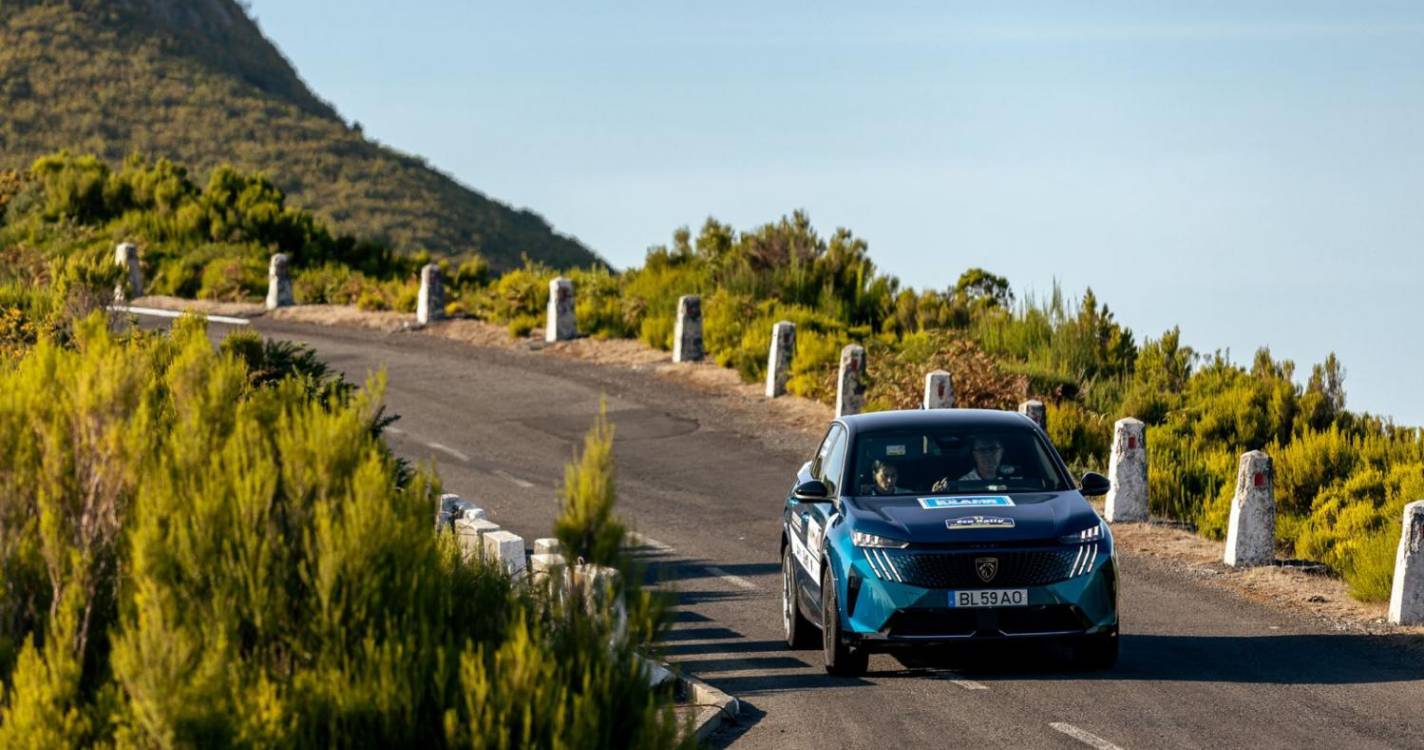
x=814, y=491
x=1094, y=484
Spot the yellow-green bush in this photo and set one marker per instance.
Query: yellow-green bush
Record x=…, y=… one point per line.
x=281, y=585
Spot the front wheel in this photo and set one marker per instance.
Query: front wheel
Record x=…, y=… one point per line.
x=841, y=659
x=800, y=633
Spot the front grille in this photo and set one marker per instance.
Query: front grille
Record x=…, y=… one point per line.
x=987, y=622
x=959, y=570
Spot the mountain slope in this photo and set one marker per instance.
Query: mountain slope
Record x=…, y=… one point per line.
x=196, y=81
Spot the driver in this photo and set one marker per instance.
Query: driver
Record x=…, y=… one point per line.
x=887, y=478
x=987, y=451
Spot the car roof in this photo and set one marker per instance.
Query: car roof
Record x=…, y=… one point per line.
x=925, y=418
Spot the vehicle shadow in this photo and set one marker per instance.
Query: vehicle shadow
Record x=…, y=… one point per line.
x=1287, y=659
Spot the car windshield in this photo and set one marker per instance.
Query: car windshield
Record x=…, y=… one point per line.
x=950, y=461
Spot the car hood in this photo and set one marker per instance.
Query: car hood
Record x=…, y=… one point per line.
x=1042, y=516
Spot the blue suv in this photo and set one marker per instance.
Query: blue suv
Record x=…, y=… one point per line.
x=924, y=528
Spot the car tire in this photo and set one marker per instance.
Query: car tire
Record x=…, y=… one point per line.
x=841, y=659
x=800, y=633
x=1096, y=652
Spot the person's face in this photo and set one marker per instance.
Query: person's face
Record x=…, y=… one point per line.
x=986, y=458
x=886, y=477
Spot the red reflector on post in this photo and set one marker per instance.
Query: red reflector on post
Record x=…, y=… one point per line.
x=1260, y=479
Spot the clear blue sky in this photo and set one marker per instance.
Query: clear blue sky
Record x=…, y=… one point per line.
x=1252, y=171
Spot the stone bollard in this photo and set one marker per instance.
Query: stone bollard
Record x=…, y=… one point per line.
x=778, y=364
x=470, y=533
x=1127, y=468
x=561, y=325
x=453, y=508
x=1406, y=598
x=850, y=385
x=1251, y=535
x=544, y=566
x=598, y=585
x=687, y=338
x=505, y=549
x=430, y=305
x=131, y=288
x=546, y=546
x=1034, y=409
x=939, y=390
x=279, y=282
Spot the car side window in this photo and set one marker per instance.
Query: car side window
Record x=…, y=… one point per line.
x=827, y=443
x=833, y=466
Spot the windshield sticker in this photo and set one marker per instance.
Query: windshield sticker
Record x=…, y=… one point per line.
x=894, y=450
x=975, y=501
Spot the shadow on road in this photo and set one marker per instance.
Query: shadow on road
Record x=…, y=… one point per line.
x=1290, y=659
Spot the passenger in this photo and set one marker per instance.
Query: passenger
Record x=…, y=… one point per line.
x=987, y=451
x=887, y=478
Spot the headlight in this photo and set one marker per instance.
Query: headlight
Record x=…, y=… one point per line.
x=1093, y=533
x=861, y=539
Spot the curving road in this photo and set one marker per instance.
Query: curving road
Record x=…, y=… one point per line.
x=703, y=480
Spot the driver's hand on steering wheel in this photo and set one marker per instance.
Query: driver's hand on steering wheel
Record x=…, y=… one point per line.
x=940, y=486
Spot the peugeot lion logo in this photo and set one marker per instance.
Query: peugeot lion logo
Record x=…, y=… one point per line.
x=986, y=567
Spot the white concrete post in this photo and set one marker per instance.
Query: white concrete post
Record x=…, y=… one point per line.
x=561, y=325
x=507, y=550
x=546, y=546
x=850, y=384
x=1127, y=468
x=939, y=390
x=430, y=305
x=778, y=364
x=469, y=535
x=131, y=288
x=453, y=508
x=545, y=565
x=1034, y=409
x=687, y=338
x=598, y=584
x=1406, y=599
x=279, y=282
x=1251, y=535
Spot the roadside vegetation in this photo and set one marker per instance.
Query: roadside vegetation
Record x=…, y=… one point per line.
x=201, y=84
x=1342, y=477
x=212, y=546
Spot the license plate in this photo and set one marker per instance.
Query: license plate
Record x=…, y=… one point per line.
x=989, y=598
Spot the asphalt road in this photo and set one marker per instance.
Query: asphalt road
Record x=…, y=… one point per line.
x=703, y=481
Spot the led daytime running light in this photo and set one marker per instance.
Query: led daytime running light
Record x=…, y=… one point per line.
x=862, y=539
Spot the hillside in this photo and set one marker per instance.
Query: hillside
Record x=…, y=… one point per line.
x=197, y=82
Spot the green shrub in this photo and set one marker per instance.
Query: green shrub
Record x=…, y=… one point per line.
x=233, y=279
x=586, y=527
x=280, y=582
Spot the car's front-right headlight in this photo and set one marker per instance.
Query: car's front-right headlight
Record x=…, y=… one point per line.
x=862, y=539
x=1093, y=533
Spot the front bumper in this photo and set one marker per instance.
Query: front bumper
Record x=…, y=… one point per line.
x=882, y=614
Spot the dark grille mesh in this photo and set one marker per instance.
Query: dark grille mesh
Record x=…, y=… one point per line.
x=957, y=570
